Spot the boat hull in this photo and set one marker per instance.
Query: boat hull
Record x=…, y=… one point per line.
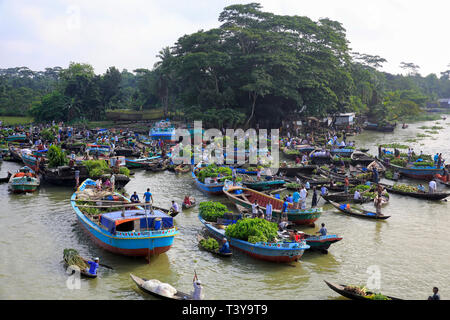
x=210, y=189
x=143, y=244
x=267, y=252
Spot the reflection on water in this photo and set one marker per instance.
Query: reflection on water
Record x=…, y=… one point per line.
x=410, y=248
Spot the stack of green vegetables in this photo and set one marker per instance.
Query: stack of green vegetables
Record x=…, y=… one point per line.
x=56, y=157
x=213, y=171
x=253, y=230
x=73, y=258
x=210, y=244
x=291, y=152
x=293, y=186
x=211, y=210
x=399, y=162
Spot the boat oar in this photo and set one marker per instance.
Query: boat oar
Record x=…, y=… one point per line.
x=106, y=266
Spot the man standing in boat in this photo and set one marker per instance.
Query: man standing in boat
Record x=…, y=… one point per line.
x=147, y=197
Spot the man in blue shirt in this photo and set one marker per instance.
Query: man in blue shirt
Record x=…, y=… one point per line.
x=225, y=247
x=134, y=198
x=296, y=198
x=323, y=230
x=147, y=197
x=93, y=266
x=435, y=295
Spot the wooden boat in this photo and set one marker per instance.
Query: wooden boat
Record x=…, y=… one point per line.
x=417, y=172
x=377, y=127
x=16, y=138
x=193, y=204
x=342, y=152
x=183, y=168
x=130, y=232
x=178, y=296
x=361, y=158
x=357, y=212
x=364, y=150
x=340, y=288
x=316, y=242
x=418, y=195
x=216, y=252
x=344, y=197
x=267, y=251
x=25, y=180
x=291, y=153
x=210, y=188
x=292, y=171
x=319, y=157
x=263, y=185
x=98, y=149
x=15, y=154
x=443, y=180
x=121, y=151
x=245, y=197
x=3, y=180
x=83, y=273
x=313, y=180
x=141, y=163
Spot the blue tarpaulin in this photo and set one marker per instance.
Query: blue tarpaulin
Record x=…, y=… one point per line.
x=111, y=219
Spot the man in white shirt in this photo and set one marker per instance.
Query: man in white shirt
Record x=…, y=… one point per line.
x=357, y=195
x=432, y=186
x=303, y=195
x=175, y=207
x=254, y=209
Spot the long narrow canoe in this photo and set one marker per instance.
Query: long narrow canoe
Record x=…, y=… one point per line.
x=352, y=211
x=418, y=195
x=340, y=288
x=245, y=197
x=292, y=171
x=417, y=172
x=344, y=197
x=140, y=283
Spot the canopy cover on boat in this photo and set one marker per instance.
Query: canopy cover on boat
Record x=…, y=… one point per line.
x=111, y=219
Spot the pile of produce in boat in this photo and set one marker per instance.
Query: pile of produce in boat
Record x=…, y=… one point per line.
x=159, y=287
x=211, y=210
x=395, y=145
x=73, y=258
x=213, y=171
x=366, y=175
x=210, y=244
x=253, y=230
x=292, y=185
x=362, y=291
x=389, y=174
x=97, y=168
x=56, y=157
x=404, y=188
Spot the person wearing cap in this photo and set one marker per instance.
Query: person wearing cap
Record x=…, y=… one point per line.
x=225, y=247
x=93, y=266
x=174, y=207
x=197, y=294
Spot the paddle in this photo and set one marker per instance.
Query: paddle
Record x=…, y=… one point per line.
x=106, y=266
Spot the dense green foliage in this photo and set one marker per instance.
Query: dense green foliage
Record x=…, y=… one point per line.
x=96, y=168
x=211, y=210
x=256, y=67
x=210, y=244
x=56, y=157
x=253, y=230
x=213, y=171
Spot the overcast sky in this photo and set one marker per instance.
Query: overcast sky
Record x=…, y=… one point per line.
x=129, y=33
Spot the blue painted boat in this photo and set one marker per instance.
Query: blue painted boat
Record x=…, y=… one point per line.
x=98, y=149
x=133, y=234
x=28, y=158
x=163, y=130
x=418, y=172
x=343, y=152
x=267, y=251
x=211, y=188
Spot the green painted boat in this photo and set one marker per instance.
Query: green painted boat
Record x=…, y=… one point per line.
x=263, y=185
x=245, y=197
x=25, y=180
x=16, y=138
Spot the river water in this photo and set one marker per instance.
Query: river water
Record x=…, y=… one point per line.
x=404, y=256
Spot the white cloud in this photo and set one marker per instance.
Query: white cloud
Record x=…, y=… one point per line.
x=129, y=34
